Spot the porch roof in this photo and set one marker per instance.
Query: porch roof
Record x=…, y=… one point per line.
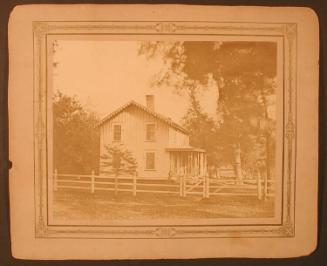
x=184, y=149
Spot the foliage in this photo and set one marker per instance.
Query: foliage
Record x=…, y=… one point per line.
x=75, y=136
x=117, y=160
x=244, y=73
x=201, y=128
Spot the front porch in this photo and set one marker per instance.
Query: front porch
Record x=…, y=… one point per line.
x=186, y=161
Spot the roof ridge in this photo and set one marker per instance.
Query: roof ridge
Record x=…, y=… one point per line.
x=168, y=120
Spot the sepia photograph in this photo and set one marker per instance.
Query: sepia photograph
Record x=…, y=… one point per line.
x=159, y=130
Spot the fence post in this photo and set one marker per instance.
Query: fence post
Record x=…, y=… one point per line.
x=259, y=190
x=207, y=186
x=184, y=185
x=218, y=173
x=116, y=184
x=92, y=182
x=204, y=187
x=134, y=184
x=55, y=180
x=265, y=190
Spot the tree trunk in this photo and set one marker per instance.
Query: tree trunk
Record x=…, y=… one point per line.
x=237, y=164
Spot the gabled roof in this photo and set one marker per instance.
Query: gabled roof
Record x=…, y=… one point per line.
x=147, y=110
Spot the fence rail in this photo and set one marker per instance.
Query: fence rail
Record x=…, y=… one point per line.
x=183, y=186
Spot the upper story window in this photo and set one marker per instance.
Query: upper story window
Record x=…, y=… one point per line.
x=117, y=133
x=150, y=132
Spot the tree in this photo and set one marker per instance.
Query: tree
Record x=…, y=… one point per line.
x=201, y=128
x=75, y=136
x=244, y=72
x=118, y=161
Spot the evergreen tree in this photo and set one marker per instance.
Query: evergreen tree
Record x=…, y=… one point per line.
x=118, y=161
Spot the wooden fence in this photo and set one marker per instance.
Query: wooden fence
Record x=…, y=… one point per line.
x=183, y=186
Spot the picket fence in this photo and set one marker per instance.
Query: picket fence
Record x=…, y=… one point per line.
x=183, y=186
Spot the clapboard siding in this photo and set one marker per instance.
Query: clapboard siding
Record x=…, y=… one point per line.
x=177, y=138
x=133, y=123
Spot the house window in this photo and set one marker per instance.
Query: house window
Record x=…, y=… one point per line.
x=150, y=132
x=117, y=132
x=150, y=161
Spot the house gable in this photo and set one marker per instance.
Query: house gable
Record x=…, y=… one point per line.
x=155, y=115
x=146, y=147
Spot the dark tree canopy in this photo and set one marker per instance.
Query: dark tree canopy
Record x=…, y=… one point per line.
x=244, y=72
x=223, y=59
x=75, y=137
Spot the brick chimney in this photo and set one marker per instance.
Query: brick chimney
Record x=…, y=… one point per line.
x=150, y=102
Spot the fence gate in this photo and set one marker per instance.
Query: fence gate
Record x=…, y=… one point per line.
x=185, y=185
x=194, y=186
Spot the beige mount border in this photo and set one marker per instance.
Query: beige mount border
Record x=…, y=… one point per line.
x=41, y=30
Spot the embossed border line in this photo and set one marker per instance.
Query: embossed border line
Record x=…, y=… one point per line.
x=41, y=29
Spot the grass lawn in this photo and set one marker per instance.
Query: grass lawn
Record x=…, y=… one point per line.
x=106, y=206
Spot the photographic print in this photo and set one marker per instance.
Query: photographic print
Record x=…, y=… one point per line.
x=163, y=130
x=164, y=133
x=149, y=134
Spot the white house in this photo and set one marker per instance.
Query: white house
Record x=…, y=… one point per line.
x=159, y=145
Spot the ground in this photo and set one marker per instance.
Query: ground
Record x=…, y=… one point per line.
x=106, y=206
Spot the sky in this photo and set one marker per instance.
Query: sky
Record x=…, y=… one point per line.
x=105, y=75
